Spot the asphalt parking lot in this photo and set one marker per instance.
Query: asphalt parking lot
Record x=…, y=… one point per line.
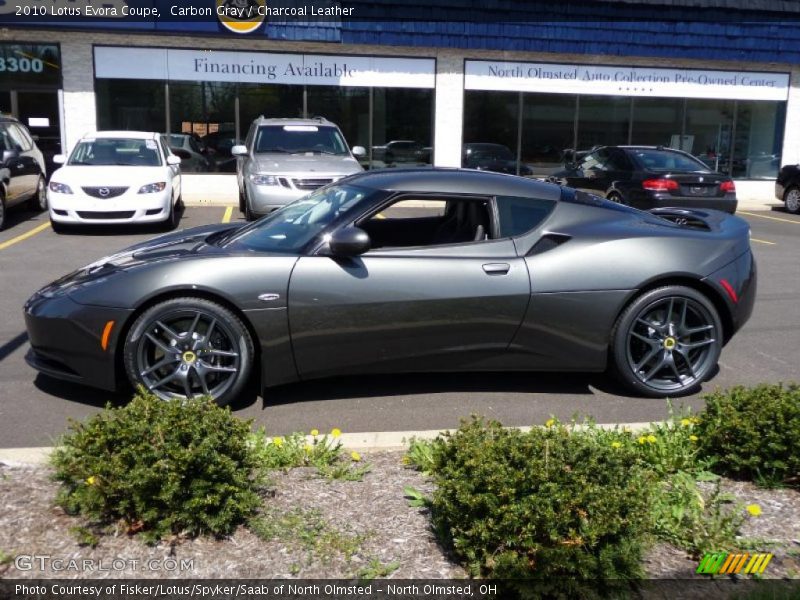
x=34, y=409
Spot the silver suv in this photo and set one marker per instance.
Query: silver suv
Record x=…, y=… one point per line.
x=284, y=159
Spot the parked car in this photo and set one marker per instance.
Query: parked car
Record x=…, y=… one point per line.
x=285, y=159
x=22, y=169
x=116, y=177
x=192, y=154
x=492, y=157
x=787, y=188
x=650, y=177
x=512, y=273
x=405, y=152
x=218, y=146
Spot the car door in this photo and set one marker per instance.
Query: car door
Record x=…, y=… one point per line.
x=592, y=173
x=23, y=169
x=395, y=308
x=173, y=171
x=9, y=167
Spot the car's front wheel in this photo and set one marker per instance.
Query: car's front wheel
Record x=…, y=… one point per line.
x=792, y=200
x=667, y=342
x=187, y=347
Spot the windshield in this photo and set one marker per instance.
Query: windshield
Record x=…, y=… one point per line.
x=295, y=225
x=664, y=160
x=299, y=139
x=128, y=152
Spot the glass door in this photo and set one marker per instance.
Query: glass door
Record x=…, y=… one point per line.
x=38, y=111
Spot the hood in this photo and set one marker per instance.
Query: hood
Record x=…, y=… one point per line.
x=305, y=165
x=111, y=176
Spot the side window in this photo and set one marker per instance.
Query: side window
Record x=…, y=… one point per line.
x=164, y=146
x=5, y=142
x=26, y=136
x=520, y=215
x=17, y=137
x=617, y=161
x=413, y=222
x=591, y=161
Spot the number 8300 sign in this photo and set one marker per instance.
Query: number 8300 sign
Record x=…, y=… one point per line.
x=12, y=64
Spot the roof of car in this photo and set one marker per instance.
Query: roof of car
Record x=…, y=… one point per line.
x=455, y=181
x=7, y=117
x=137, y=135
x=262, y=120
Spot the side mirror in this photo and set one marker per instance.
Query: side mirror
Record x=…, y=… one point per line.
x=59, y=159
x=359, y=151
x=9, y=155
x=349, y=241
x=239, y=150
x=173, y=160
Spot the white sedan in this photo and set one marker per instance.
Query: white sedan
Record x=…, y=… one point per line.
x=116, y=177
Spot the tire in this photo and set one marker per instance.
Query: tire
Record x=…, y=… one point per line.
x=615, y=197
x=792, y=200
x=59, y=227
x=38, y=202
x=2, y=211
x=164, y=351
x=179, y=205
x=248, y=214
x=242, y=202
x=172, y=220
x=666, y=342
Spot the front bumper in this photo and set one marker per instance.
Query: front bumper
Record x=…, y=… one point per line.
x=264, y=199
x=66, y=340
x=130, y=207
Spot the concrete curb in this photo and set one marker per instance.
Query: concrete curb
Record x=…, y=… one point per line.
x=373, y=440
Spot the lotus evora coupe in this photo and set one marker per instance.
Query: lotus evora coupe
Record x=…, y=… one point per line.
x=402, y=271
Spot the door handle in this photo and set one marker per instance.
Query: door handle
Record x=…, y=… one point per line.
x=496, y=268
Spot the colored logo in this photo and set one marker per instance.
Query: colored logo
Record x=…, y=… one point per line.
x=241, y=16
x=724, y=563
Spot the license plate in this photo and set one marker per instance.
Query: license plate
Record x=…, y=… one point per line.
x=698, y=190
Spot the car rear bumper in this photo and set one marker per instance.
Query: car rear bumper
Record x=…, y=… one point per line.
x=66, y=340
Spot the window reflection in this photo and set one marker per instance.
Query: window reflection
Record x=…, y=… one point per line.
x=758, y=139
x=402, y=127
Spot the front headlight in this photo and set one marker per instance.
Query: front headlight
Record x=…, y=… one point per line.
x=264, y=180
x=60, y=188
x=152, y=188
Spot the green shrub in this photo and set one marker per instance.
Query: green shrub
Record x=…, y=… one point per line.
x=556, y=505
x=753, y=433
x=160, y=467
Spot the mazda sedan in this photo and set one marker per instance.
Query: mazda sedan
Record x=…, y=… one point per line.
x=409, y=270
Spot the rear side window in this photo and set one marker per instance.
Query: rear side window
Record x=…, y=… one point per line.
x=20, y=138
x=520, y=215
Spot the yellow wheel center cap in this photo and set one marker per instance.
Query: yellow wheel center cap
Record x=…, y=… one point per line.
x=189, y=357
x=670, y=343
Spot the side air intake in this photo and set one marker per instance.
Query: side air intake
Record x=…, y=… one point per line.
x=548, y=242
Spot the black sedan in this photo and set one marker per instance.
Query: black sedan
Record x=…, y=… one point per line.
x=650, y=177
x=492, y=157
x=787, y=188
x=410, y=270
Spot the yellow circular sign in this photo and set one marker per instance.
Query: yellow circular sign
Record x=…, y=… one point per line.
x=241, y=16
x=670, y=343
x=189, y=357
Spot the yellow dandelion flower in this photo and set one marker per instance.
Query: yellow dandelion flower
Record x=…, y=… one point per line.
x=315, y=432
x=642, y=440
x=336, y=432
x=277, y=441
x=754, y=509
x=406, y=460
x=694, y=438
x=685, y=422
x=308, y=448
x=92, y=480
x=550, y=422
x=651, y=439
x=355, y=456
x=616, y=444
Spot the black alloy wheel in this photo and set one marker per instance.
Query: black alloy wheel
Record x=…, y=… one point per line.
x=188, y=347
x=667, y=342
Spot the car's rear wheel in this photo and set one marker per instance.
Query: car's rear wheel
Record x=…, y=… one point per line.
x=187, y=347
x=667, y=342
x=38, y=201
x=242, y=201
x=2, y=211
x=615, y=197
x=792, y=200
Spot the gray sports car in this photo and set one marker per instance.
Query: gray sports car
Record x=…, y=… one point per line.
x=407, y=270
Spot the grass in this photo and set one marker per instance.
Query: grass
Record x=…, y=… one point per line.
x=6, y=558
x=375, y=569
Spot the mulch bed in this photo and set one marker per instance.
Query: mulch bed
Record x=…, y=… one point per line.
x=374, y=512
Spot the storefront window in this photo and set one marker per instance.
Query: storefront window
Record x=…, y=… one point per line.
x=758, y=139
x=402, y=127
x=657, y=122
x=603, y=121
x=548, y=131
x=491, y=118
x=131, y=104
x=207, y=112
x=348, y=107
x=271, y=101
x=708, y=130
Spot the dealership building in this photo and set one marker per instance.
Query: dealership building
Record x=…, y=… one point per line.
x=717, y=78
